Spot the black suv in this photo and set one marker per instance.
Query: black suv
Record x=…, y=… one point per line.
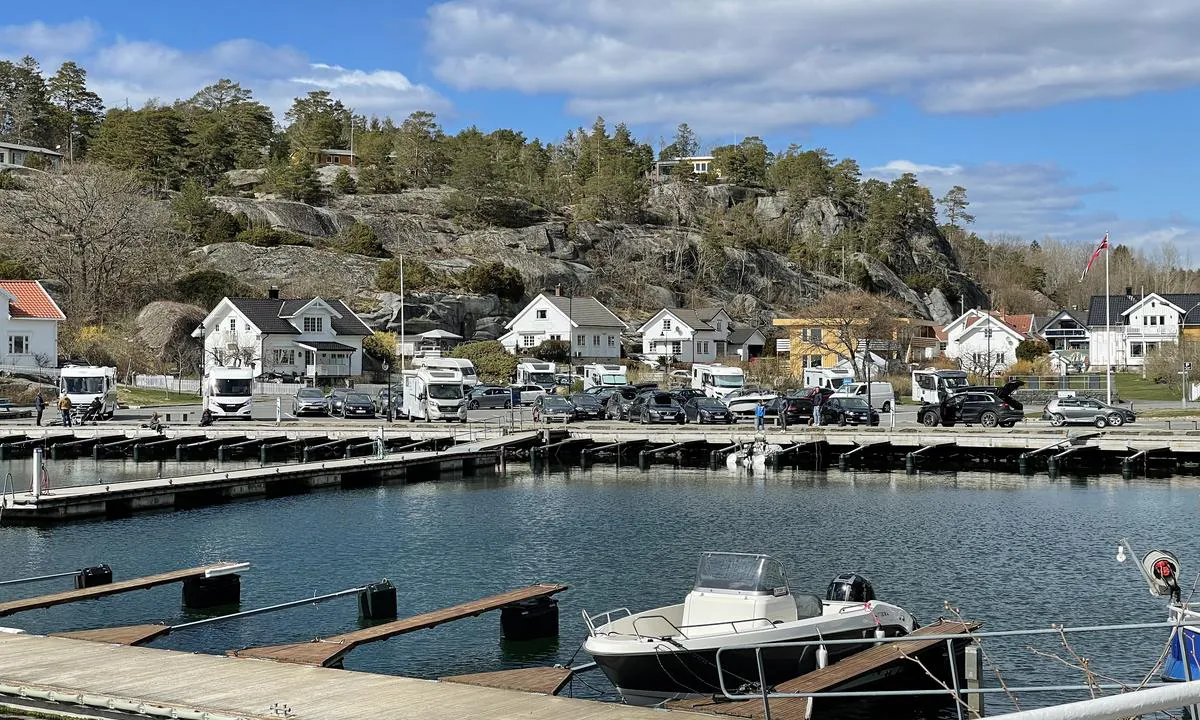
x=848, y=411
x=656, y=406
x=617, y=405
x=986, y=406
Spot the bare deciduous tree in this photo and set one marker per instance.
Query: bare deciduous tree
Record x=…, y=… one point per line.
x=850, y=321
x=96, y=231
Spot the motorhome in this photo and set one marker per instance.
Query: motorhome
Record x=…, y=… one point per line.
x=827, y=378
x=434, y=394
x=883, y=395
x=931, y=385
x=536, y=372
x=467, y=368
x=717, y=380
x=228, y=391
x=604, y=376
x=85, y=383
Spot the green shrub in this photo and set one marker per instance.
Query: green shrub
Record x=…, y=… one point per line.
x=417, y=276
x=381, y=345
x=494, y=364
x=343, y=184
x=206, y=288
x=494, y=278
x=1031, y=350
x=359, y=239
x=553, y=351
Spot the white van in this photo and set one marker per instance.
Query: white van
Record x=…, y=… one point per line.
x=883, y=396
x=434, y=395
x=465, y=367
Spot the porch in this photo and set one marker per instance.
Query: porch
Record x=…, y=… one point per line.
x=326, y=359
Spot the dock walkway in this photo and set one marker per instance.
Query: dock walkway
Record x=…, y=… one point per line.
x=239, y=689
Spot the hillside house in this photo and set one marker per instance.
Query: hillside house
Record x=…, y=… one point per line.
x=700, y=164
x=985, y=342
x=694, y=336
x=12, y=155
x=592, y=329
x=29, y=325
x=813, y=342
x=310, y=338
x=1139, y=325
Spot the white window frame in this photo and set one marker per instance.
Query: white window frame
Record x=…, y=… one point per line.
x=528, y=341
x=612, y=341
x=541, y=313
x=595, y=341
x=314, y=324
x=676, y=347
x=581, y=340
x=23, y=339
x=666, y=324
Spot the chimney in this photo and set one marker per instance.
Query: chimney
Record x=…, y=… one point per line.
x=558, y=291
x=1129, y=291
x=273, y=293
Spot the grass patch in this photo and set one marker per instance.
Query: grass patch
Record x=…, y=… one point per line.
x=147, y=397
x=1130, y=386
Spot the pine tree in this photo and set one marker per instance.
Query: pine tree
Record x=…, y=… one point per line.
x=79, y=110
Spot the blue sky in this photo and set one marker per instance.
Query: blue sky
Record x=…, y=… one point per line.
x=1060, y=118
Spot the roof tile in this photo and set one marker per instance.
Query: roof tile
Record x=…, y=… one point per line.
x=32, y=300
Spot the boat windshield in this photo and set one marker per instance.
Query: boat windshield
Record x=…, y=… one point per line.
x=741, y=572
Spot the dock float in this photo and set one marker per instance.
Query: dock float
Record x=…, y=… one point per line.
x=98, y=591
x=90, y=676
x=543, y=680
x=328, y=652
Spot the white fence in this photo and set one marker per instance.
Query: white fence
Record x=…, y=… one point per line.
x=29, y=370
x=191, y=385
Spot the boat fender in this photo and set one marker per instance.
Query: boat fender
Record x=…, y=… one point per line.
x=822, y=656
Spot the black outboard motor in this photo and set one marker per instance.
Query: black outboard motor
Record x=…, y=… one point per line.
x=850, y=587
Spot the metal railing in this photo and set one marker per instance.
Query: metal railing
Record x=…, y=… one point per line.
x=955, y=689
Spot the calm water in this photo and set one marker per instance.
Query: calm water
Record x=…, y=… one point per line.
x=1012, y=551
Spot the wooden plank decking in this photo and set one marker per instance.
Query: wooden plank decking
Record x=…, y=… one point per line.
x=839, y=675
x=125, y=635
x=328, y=651
x=544, y=680
x=237, y=688
x=99, y=591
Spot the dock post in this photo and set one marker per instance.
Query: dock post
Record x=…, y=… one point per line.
x=973, y=662
x=278, y=409
x=530, y=619
x=377, y=601
x=206, y=592
x=35, y=487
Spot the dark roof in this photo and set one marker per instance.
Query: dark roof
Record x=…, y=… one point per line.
x=1120, y=303
x=325, y=346
x=266, y=314
x=739, y=336
x=586, y=311
x=691, y=318
x=707, y=314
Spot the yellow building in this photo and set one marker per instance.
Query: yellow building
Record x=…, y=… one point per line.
x=820, y=342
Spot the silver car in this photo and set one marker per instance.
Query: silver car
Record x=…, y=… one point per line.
x=1061, y=411
x=308, y=400
x=483, y=396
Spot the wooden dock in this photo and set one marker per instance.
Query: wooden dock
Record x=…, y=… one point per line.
x=326, y=652
x=121, y=678
x=99, y=591
x=843, y=675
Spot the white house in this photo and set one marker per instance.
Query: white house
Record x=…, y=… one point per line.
x=592, y=329
x=985, y=343
x=1139, y=325
x=29, y=325
x=306, y=337
x=12, y=155
x=694, y=336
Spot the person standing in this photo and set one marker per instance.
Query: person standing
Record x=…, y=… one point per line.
x=784, y=405
x=817, y=400
x=39, y=405
x=64, y=406
x=760, y=415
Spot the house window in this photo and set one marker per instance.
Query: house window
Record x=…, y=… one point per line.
x=18, y=344
x=541, y=314
x=704, y=348
x=232, y=325
x=1135, y=349
x=676, y=348
x=581, y=340
x=812, y=361
x=595, y=341
x=612, y=341
x=313, y=324
x=282, y=356
x=810, y=335
x=666, y=324
x=528, y=340
x=556, y=337
x=720, y=323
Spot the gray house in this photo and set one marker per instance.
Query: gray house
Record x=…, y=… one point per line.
x=12, y=155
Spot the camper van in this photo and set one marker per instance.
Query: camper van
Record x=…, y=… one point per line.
x=434, y=394
x=717, y=380
x=883, y=396
x=536, y=372
x=467, y=368
x=228, y=392
x=932, y=386
x=827, y=378
x=84, y=383
x=603, y=376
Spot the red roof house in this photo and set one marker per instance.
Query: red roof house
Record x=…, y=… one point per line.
x=28, y=325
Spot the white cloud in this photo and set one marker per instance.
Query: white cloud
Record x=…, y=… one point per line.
x=820, y=56
x=1038, y=200
x=130, y=71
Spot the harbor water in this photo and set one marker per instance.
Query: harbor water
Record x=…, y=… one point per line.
x=1011, y=551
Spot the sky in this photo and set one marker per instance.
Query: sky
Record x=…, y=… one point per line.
x=1061, y=118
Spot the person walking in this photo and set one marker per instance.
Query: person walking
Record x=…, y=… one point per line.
x=760, y=416
x=39, y=405
x=784, y=404
x=817, y=400
x=64, y=406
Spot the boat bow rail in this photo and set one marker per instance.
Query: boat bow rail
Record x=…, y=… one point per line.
x=607, y=616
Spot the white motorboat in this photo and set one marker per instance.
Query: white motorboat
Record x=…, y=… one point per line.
x=738, y=600
x=743, y=402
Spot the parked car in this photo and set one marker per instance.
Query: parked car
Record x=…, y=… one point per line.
x=792, y=410
x=1061, y=411
x=308, y=400
x=487, y=396
x=848, y=411
x=333, y=401
x=394, y=395
x=704, y=409
x=357, y=404
x=685, y=394
x=553, y=407
x=975, y=406
x=656, y=406
x=526, y=394
x=587, y=406
x=619, y=401
x=883, y=395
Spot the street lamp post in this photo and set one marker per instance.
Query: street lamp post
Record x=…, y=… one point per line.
x=987, y=333
x=391, y=401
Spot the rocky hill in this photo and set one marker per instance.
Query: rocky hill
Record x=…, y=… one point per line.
x=635, y=268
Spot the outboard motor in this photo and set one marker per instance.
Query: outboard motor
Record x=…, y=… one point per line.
x=850, y=587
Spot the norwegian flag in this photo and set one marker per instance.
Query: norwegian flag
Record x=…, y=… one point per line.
x=1103, y=246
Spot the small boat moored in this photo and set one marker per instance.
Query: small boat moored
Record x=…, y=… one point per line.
x=738, y=600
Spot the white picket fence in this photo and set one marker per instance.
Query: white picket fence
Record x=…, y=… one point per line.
x=191, y=385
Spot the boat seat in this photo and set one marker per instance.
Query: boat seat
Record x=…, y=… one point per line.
x=808, y=606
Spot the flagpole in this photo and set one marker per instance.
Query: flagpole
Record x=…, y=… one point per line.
x=1107, y=324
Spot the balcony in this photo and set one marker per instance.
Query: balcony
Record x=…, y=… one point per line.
x=1156, y=332
x=327, y=370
